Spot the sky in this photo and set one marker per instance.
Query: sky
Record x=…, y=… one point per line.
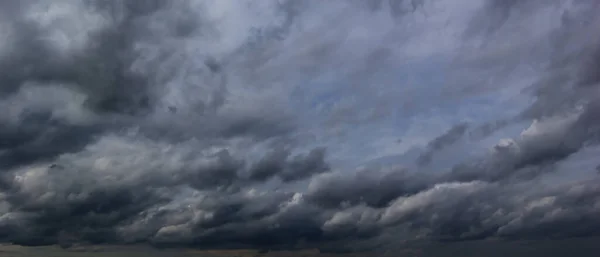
x=287, y=124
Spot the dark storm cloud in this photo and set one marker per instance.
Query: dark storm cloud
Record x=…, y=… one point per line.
x=102, y=73
x=66, y=119
x=38, y=81
x=101, y=70
x=94, y=196
x=472, y=211
x=129, y=138
x=37, y=126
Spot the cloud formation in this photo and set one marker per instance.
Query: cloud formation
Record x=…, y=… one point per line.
x=245, y=124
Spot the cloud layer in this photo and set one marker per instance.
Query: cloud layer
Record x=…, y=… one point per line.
x=258, y=124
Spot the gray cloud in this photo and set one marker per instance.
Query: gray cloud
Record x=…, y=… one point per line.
x=449, y=137
x=161, y=122
x=339, y=190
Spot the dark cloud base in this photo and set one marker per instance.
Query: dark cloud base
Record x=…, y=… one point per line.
x=101, y=144
x=583, y=247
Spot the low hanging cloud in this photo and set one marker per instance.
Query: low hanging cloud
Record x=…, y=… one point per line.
x=219, y=124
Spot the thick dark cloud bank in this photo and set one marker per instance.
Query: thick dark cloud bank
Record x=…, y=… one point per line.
x=126, y=122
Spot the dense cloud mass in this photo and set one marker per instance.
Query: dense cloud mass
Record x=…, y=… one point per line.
x=209, y=123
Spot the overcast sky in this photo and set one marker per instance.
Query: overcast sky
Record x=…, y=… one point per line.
x=298, y=123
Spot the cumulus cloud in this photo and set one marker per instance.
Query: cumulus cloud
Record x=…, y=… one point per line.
x=244, y=124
